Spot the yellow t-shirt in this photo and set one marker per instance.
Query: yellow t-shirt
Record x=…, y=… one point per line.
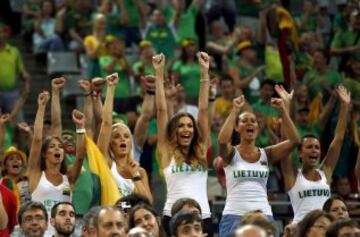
x=92, y=41
x=223, y=106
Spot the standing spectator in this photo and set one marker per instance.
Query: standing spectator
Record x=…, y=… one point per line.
x=94, y=45
x=11, y=67
x=161, y=35
x=307, y=21
x=347, y=43
x=133, y=18
x=33, y=219
x=116, y=61
x=63, y=219
x=45, y=38
x=223, y=104
x=77, y=24
x=341, y=19
x=184, y=19
x=187, y=70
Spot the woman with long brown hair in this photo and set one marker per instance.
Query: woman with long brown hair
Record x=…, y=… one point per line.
x=182, y=145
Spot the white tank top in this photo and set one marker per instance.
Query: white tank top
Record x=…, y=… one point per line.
x=186, y=181
x=126, y=186
x=48, y=194
x=307, y=195
x=246, y=185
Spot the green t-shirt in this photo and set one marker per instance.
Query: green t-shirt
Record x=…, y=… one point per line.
x=132, y=10
x=122, y=89
x=312, y=80
x=265, y=109
x=344, y=39
x=310, y=25
x=189, y=77
x=80, y=21
x=28, y=21
x=186, y=27
x=86, y=191
x=340, y=23
x=11, y=64
x=163, y=40
x=139, y=68
x=353, y=86
x=113, y=26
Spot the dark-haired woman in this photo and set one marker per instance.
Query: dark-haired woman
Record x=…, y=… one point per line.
x=49, y=179
x=336, y=207
x=246, y=165
x=182, y=145
x=314, y=224
x=308, y=188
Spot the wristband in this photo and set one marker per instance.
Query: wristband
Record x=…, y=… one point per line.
x=96, y=93
x=80, y=131
x=150, y=92
x=212, y=99
x=136, y=178
x=87, y=94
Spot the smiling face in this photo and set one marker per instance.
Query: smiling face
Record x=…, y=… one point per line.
x=310, y=151
x=145, y=219
x=54, y=152
x=121, y=141
x=247, y=126
x=184, y=131
x=13, y=165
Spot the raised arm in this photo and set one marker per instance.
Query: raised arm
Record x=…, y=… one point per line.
x=203, y=119
x=326, y=112
x=147, y=112
x=56, y=86
x=226, y=150
x=33, y=166
x=288, y=169
x=85, y=85
x=106, y=125
x=161, y=110
x=96, y=86
x=75, y=169
x=333, y=152
x=283, y=149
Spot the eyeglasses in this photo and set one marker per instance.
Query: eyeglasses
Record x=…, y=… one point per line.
x=36, y=218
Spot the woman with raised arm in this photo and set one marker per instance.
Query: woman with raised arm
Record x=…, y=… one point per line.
x=182, y=145
x=117, y=145
x=308, y=187
x=50, y=180
x=246, y=165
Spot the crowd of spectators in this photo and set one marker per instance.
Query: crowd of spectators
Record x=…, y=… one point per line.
x=305, y=54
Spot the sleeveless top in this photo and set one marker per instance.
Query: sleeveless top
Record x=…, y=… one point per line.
x=186, y=181
x=126, y=186
x=307, y=195
x=246, y=185
x=49, y=194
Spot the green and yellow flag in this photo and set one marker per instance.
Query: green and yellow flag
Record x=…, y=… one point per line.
x=97, y=162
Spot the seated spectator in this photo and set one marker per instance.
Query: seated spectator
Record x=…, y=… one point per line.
x=146, y=217
x=315, y=223
x=342, y=228
x=161, y=35
x=45, y=38
x=336, y=207
x=33, y=219
x=185, y=224
x=63, y=219
x=110, y=221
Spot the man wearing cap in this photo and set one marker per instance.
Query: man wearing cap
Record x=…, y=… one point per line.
x=11, y=67
x=346, y=44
